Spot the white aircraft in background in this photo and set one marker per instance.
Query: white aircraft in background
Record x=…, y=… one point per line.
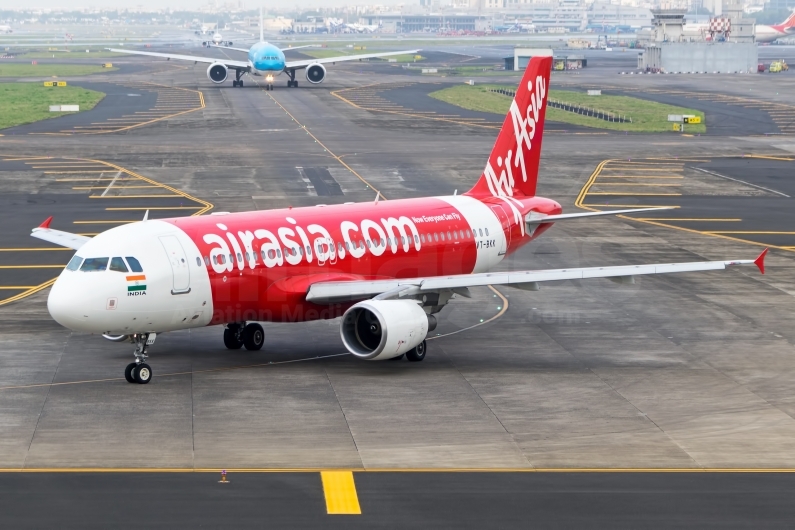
x=6, y=29
x=266, y=60
x=217, y=40
x=765, y=34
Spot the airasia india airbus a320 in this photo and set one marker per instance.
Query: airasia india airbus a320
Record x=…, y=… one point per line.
x=386, y=267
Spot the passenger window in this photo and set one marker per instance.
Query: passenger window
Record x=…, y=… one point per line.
x=422, y=237
x=135, y=266
x=469, y=234
x=416, y=238
x=481, y=232
x=94, y=264
x=442, y=236
x=117, y=265
x=487, y=231
x=279, y=253
x=74, y=263
x=455, y=235
x=207, y=261
x=435, y=236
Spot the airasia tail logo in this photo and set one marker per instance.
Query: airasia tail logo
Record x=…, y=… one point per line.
x=524, y=130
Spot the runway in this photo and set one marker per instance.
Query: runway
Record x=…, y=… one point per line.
x=690, y=371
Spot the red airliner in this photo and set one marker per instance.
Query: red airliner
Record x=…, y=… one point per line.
x=386, y=267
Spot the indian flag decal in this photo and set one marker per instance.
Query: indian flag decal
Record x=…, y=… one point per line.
x=136, y=283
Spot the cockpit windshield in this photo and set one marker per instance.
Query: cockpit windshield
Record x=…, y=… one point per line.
x=117, y=265
x=135, y=265
x=74, y=263
x=94, y=264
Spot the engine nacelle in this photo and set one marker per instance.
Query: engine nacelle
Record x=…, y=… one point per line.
x=376, y=330
x=315, y=73
x=217, y=73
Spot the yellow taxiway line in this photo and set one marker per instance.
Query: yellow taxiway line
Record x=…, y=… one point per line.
x=340, y=492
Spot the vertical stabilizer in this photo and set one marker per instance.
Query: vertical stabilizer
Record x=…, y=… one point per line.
x=790, y=22
x=512, y=169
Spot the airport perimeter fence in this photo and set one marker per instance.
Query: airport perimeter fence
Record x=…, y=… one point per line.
x=577, y=109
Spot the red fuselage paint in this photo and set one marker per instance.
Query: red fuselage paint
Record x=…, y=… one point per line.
x=263, y=281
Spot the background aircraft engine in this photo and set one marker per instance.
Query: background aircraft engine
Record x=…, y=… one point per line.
x=381, y=329
x=217, y=73
x=315, y=73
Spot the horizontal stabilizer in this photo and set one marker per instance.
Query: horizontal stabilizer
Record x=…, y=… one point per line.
x=538, y=218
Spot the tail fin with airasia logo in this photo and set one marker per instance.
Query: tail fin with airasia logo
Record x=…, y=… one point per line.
x=512, y=169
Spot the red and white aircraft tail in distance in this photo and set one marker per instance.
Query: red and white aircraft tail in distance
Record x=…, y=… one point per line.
x=386, y=267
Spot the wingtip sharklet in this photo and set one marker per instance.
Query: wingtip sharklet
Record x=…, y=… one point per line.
x=46, y=223
x=760, y=261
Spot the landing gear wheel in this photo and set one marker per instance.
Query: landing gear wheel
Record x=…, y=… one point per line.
x=253, y=337
x=234, y=84
x=128, y=373
x=399, y=357
x=295, y=84
x=142, y=373
x=289, y=84
x=418, y=353
x=240, y=83
x=232, y=338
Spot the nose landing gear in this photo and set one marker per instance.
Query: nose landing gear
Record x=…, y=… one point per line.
x=140, y=372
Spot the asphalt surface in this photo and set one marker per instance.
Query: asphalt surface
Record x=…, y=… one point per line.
x=679, y=372
x=399, y=500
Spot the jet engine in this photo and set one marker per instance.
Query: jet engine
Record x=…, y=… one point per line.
x=217, y=73
x=376, y=330
x=315, y=73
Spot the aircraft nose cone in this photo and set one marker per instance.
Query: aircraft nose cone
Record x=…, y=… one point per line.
x=63, y=303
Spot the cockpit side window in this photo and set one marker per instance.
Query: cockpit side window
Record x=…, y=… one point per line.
x=134, y=264
x=117, y=265
x=74, y=263
x=94, y=264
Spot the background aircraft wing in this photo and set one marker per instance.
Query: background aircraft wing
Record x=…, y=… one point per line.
x=325, y=292
x=244, y=50
x=299, y=47
x=64, y=239
x=228, y=63
x=295, y=65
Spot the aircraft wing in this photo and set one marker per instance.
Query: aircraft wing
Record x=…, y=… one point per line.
x=299, y=47
x=64, y=239
x=344, y=291
x=244, y=50
x=242, y=65
x=295, y=65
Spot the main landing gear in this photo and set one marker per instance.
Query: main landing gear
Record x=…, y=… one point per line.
x=140, y=372
x=415, y=354
x=291, y=83
x=237, y=82
x=237, y=335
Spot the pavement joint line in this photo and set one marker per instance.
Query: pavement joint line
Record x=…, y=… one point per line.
x=16, y=287
x=339, y=490
x=110, y=185
x=714, y=174
x=103, y=222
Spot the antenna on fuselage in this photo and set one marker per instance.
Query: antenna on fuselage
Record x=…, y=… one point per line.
x=146, y=216
x=261, y=30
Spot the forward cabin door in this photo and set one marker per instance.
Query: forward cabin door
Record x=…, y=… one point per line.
x=180, y=269
x=505, y=222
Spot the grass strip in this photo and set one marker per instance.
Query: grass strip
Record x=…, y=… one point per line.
x=647, y=116
x=30, y=102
